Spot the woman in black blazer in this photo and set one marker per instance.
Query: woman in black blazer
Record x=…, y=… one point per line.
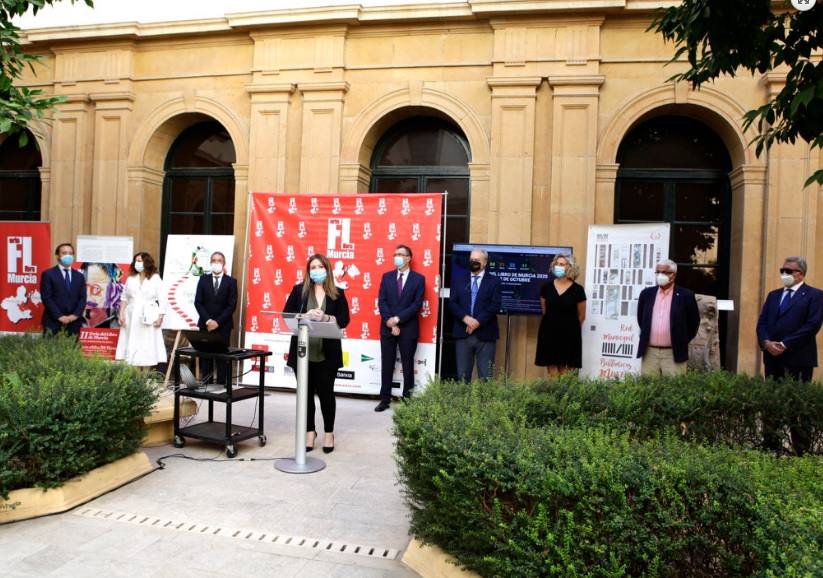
x=320, y=300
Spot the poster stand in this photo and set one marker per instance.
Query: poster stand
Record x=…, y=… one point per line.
x=440, y=311
x=173, y=352
x=508, y=348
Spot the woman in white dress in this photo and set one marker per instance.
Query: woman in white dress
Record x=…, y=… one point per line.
x=141, y=315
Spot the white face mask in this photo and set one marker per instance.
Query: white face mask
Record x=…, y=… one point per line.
x=787, y=280
x=217, y=268
x=138, y=266
x=662, y=279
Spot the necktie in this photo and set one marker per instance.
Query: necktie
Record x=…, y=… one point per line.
x=475, y=289
x=784, y=303
x=216, y=284
x=68, y=279
x=399, y=284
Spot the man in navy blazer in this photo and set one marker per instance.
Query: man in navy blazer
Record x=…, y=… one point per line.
x=669, y=319
x=788, y=324
x=63, y=292
x=474, y=303
x=215, y=300
x=399, y=300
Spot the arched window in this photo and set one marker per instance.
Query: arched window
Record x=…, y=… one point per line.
x=675, y=169
x=428, y=154
x=19, y=180
x=198, y=190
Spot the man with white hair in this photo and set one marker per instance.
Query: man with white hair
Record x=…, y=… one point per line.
x=669, y=318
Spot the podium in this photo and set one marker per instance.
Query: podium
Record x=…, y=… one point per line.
x=303, y=328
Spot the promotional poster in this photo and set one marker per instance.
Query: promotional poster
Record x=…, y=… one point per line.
x=25, y=253
x=358, y=234
x=188, y=257
x=620, y=264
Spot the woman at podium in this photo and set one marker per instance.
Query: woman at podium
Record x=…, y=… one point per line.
x=320, y=300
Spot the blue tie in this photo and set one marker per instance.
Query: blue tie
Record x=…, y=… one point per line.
x=68, y=279
x=784, y=302
x=475, y=289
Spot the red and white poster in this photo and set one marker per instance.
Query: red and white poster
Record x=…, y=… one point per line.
x=26, y=252
x=358, y=234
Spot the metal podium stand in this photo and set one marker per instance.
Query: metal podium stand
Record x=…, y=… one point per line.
x=304, y=328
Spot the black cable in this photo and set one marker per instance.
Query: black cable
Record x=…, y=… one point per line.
x=162, y=466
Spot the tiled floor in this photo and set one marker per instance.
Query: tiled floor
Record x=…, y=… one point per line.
x=236, y=517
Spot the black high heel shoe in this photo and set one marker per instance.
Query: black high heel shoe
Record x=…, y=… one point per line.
x=311, y=447
x=329, y=449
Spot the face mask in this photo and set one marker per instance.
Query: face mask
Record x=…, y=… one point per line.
x=138, y=266
x=662, y=279
x=399, y=262
x=787, y=280
x=67, y=260
x=217, y=268
x=559, y=271
x=318, y=275
x=475, y=266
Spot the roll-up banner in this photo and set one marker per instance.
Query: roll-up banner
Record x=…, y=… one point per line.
x=620, y=263
x=358, y=234
x=25, y=253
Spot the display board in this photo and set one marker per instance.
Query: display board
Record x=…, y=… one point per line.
x=25, y=253
x=522, y=270
x=358, y=233
x=188, y=257
x=620, y=264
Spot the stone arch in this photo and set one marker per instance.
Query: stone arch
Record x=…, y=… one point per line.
x=151, y=145
x=718, y=111
x=374, y=120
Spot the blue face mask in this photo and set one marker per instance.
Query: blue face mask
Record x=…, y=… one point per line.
x=67, y=260
x=559, y=271
x=399, y=262
x=318, y=275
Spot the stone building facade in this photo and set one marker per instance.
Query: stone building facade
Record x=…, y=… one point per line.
x=544, y=93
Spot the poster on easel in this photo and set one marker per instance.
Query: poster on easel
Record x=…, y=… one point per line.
x=104, y=262
x=620, y=263
x=25, y=253
x=188, y=258
x=358, y=234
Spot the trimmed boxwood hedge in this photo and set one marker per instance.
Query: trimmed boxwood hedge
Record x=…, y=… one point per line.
x=63, y=414
x=576, y=479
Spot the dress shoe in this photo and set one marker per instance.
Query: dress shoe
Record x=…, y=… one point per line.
x=314, y=439
x=329, y=449
x=383, y=405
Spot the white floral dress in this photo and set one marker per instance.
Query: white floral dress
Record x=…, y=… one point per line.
x=141, y=344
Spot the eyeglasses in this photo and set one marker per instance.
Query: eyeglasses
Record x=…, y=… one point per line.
x=785, y=271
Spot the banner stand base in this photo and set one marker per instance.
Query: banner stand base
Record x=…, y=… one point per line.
x=290, y=466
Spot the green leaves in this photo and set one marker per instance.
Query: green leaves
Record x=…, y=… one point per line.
x=724, y=37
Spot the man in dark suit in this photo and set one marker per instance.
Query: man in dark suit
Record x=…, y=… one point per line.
x=63, y=292
x=399, y=300
x=215, y=301
x=787, y=331
x=474, y=303
x=669, y=318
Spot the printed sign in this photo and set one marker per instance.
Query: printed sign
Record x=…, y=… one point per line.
x=26, y=253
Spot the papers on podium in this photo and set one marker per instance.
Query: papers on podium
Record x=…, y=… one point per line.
x=325, y=329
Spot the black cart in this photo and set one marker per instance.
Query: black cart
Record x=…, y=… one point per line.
x=225, y=433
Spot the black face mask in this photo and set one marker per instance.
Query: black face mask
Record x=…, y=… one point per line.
x=474, y=266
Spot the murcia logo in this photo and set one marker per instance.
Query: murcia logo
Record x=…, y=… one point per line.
x=309, y=251
x=253, y=324
x=376, y=305
x=425, y=311
x=290, y=253
x=292, y=205
x=266, y=300
x=427, y=258
x=269, y=253
x=315, y=207
x=405, y=208
x=275, y=326
x=336, y=208
x=281, y=229
x=355, y=305
x=20, y=266
x=380, y=259
x=301, y=230
x=367, y=280
x=358, y=207
x=271, y=206
x=392, y=232
x=255, y=276
x=381, y=206
x=278, y=277
x=258, y=228
x=299, y=276
x=437, y=235
x=366, y=230
x=429, y=207
x=416, y=232
x=338, y=240
x=364, y=330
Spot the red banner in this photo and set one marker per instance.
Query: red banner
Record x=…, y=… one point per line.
x=358, y=234
x=26, y=252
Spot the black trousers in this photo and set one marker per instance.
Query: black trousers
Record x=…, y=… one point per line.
x=321, y=383
x=388, y=349
x=799, y=429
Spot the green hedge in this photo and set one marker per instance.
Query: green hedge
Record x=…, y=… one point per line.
x=509, y=491
x=63, y=414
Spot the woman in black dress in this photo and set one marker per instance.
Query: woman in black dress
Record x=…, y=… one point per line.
x=320, y=300
x=559, y=340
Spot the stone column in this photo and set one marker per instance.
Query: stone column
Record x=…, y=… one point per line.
x=574, y=160
x=322, y=127
x=69, y=203
x=113, y=212
x=269, y=122
x=605, y=178
x=146, y=189
x=512, y=160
